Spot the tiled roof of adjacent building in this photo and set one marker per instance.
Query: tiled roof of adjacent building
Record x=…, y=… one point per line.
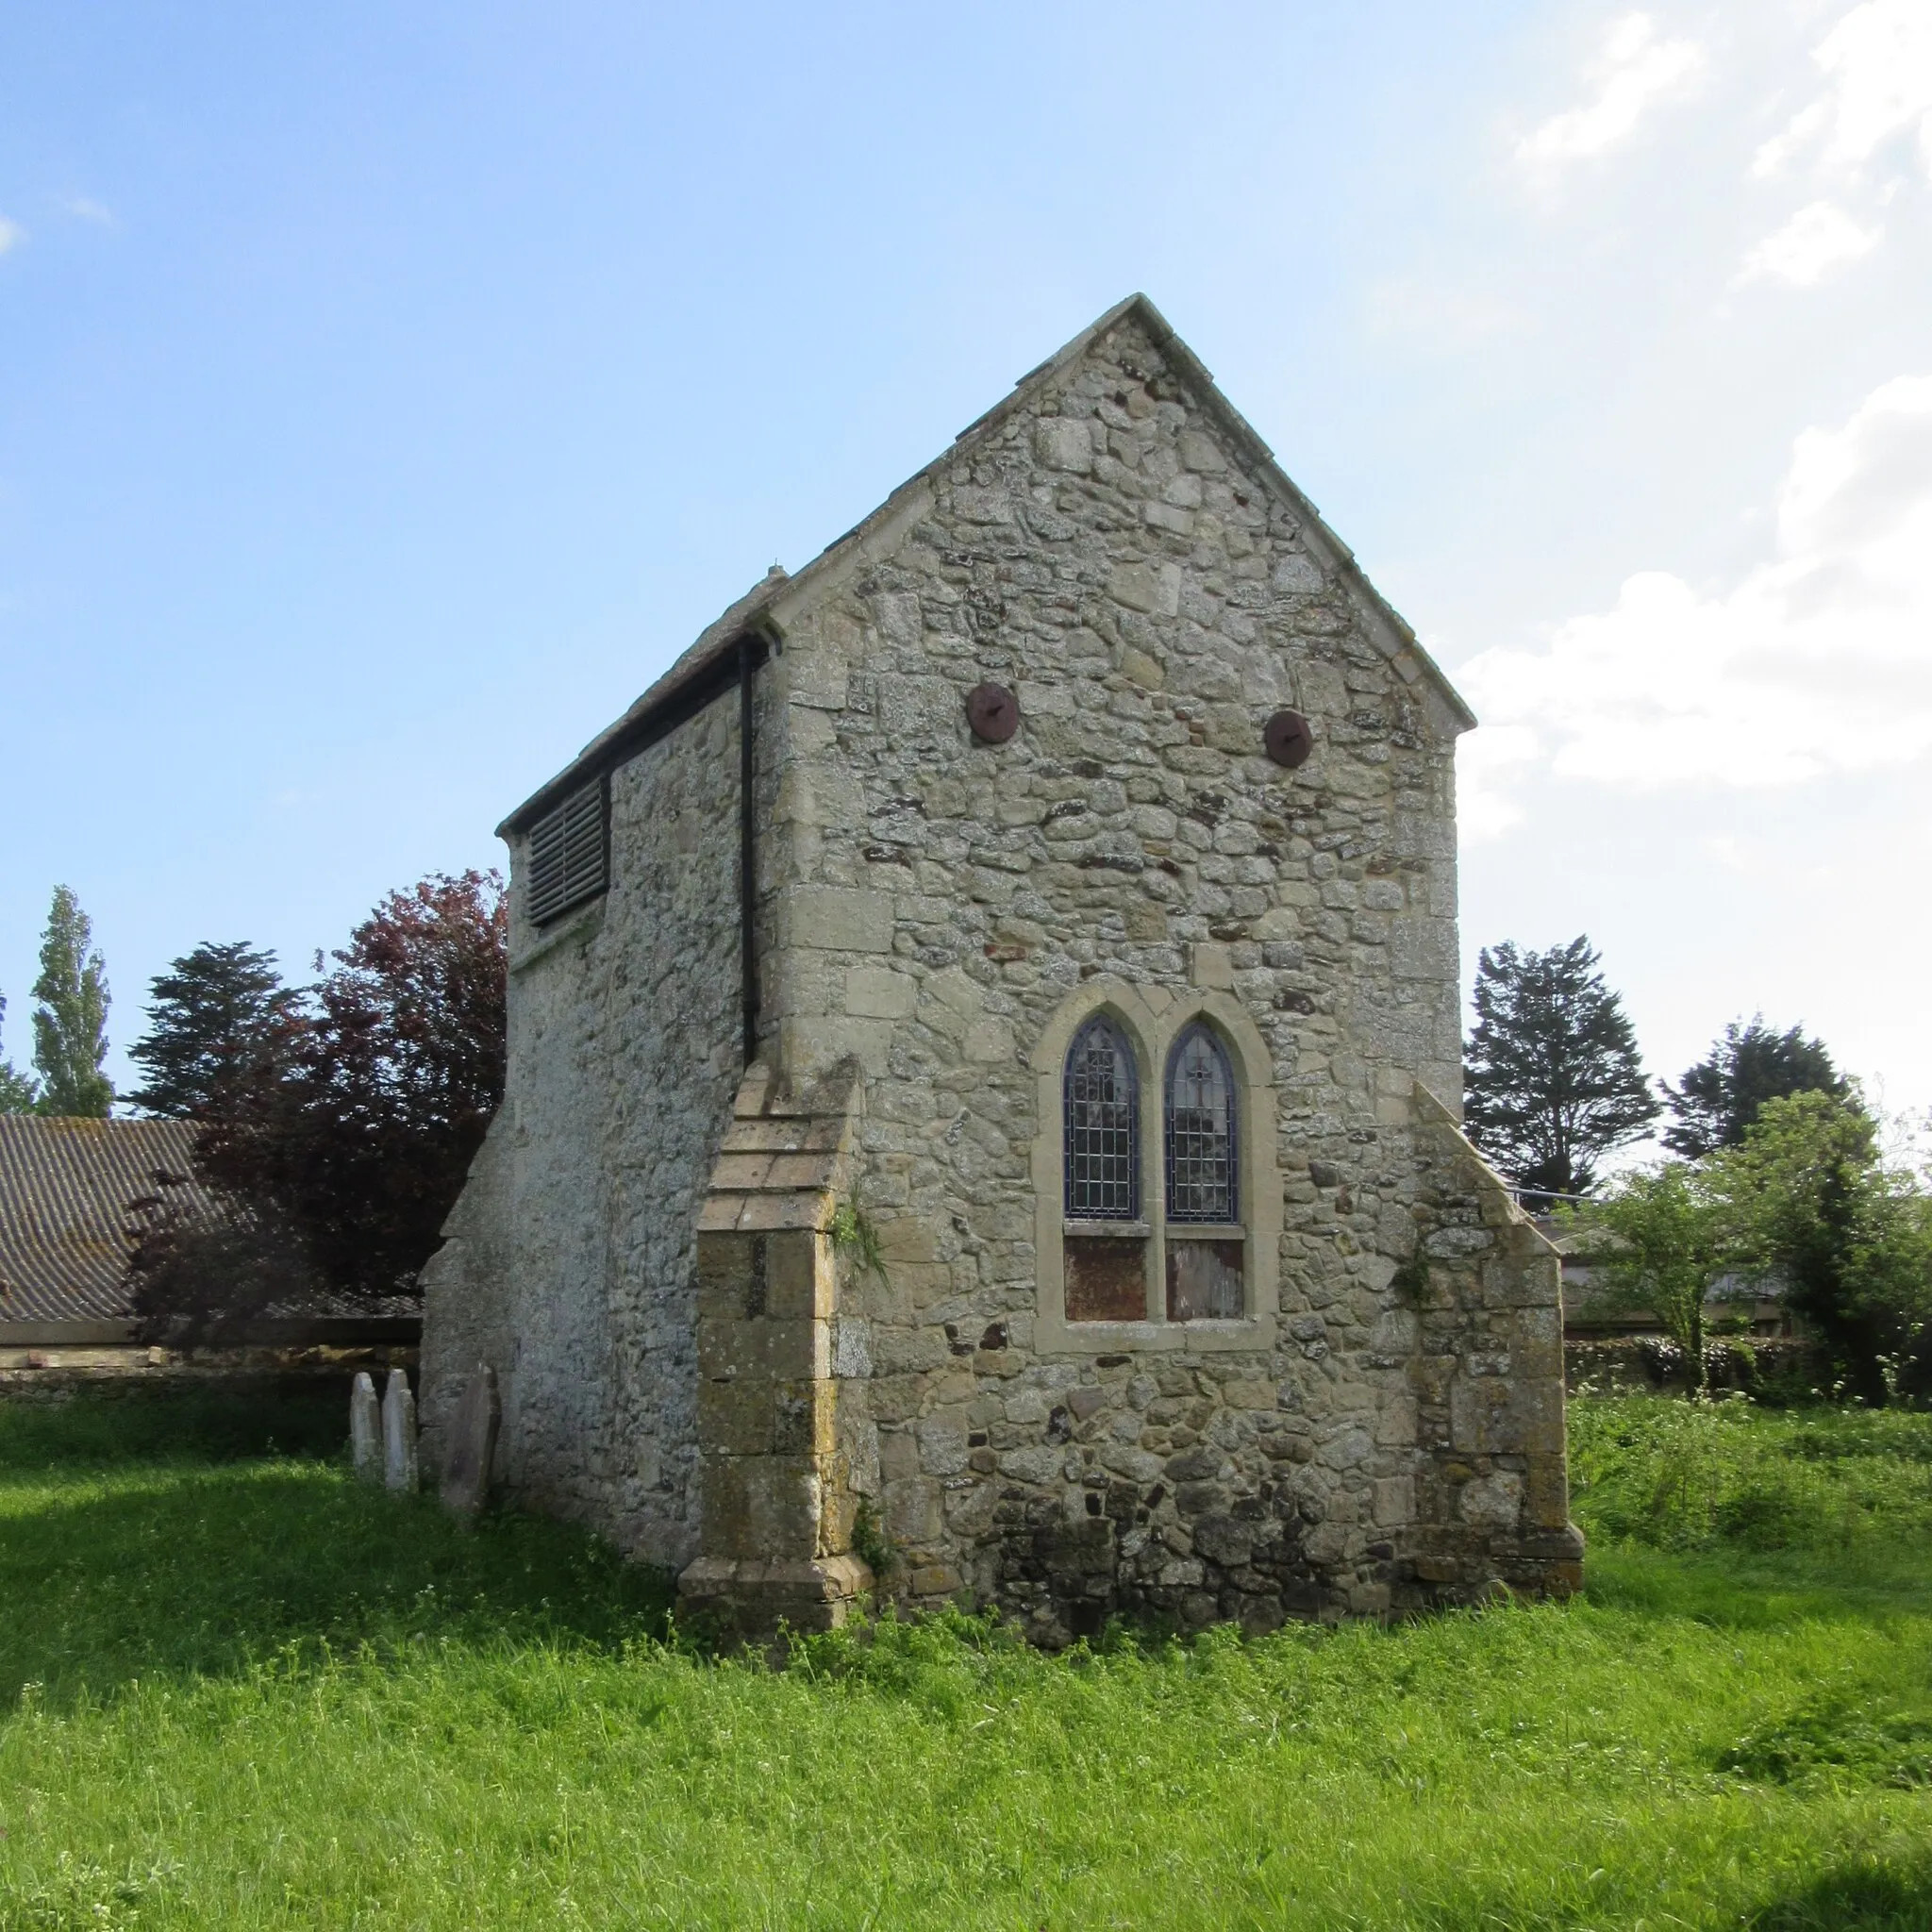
x=65, y=1190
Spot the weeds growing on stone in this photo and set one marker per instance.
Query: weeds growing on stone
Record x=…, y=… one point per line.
x=248, y=1693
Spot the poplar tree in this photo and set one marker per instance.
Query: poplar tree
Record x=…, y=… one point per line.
x=71, y=1022
x=1553, y=1079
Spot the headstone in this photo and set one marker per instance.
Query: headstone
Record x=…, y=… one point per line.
x=365, y=1429
x=472, y=1445
x=399, y=1432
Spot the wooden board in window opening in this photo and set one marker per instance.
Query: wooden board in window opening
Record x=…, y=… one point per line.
x=1105, y=1277
x=1204, y=1279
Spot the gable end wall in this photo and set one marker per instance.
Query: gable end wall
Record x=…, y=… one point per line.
x=1108, y=553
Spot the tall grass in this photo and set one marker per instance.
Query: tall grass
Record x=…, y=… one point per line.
x=1692, y=1475
x=303, y=1704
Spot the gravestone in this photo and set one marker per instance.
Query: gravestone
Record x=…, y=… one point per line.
x=399, y=1432
x=365, y=1429
x=472, y=1445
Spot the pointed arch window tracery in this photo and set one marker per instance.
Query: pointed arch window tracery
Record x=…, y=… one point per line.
x=1102, y=1125
x=1200, y=1132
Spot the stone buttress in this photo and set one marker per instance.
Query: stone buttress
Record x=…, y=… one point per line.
x=776, y=1508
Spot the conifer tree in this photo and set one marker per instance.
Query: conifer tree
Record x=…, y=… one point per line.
x=206, y=1017
x=71, y=1022
x=1553, y=1078
x=1719, y=1096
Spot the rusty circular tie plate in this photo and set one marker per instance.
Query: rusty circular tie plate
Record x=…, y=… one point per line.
x=1287, y=739
x=994, y=712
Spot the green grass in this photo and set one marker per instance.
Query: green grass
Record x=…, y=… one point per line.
x=241, y=1691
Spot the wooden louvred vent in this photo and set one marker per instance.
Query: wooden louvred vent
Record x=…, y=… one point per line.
x=569, y=854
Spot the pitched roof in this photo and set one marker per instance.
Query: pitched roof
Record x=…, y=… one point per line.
x=709, y=665
x=65, y=1190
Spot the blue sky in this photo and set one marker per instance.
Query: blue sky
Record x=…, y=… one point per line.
x=388, y=393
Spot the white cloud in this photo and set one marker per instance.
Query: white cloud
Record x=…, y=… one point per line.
x=1436, y=314
x=84, y=207
x=1877, y=67
x=11, y=234
x=1635, y=70
x=1816, y=239
x=1817, y=662
x=1485, y=803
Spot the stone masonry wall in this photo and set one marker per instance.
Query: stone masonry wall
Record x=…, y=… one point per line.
x=1484, y=1338
x=571, y=1267
x=1108, y=551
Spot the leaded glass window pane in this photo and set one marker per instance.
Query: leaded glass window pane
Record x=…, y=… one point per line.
x=1103, y=1129
x=1201, y=1165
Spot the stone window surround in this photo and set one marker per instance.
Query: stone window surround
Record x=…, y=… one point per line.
x=1153, y=1018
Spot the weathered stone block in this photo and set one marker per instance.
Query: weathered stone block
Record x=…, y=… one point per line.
x=365, y=1429
x=1065, y=443
x=471, y=1453
x=1395, y=1502
x=753, y=1597
x=1146, y=587
x=1493, y=1502
x=800, y=1276
x=761, y=1505
x=839, y=919
x=879, y=993
x=768, y=1350
x=399, y=1432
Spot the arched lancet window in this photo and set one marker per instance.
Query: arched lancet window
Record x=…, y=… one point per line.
x=1103, y=1126
x=1199, y=1116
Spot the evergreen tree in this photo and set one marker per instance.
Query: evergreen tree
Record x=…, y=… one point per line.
x=1721, y=1096
x=17, y=1092
x=1553, y=1078
x=207, y=1016
x=71, y=1022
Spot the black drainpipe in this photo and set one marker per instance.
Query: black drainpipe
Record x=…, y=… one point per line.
x=747, y=848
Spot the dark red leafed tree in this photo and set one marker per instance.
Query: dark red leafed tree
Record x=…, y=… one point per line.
x=338, y=1141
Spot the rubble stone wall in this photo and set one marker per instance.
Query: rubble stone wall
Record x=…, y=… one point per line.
x=1111, y=552
x=1382, y=1424
x=571, y=1266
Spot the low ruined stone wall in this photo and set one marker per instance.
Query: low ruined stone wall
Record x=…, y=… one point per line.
x=1646, y=1364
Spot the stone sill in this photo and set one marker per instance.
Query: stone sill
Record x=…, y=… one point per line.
x=584, y=924
x=1056, y=1335
x=1142, y=1231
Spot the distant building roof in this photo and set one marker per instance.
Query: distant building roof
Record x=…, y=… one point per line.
x=66, y=1187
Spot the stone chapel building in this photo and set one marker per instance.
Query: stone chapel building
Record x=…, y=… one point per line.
x=985, y=1064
